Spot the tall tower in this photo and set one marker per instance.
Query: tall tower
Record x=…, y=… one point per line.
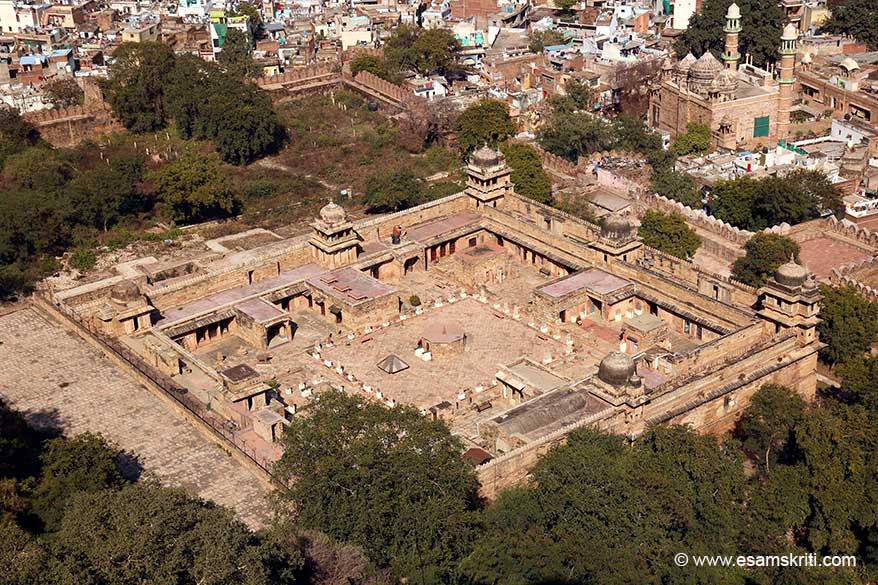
x=788, y=48
x=732, y=30
x=488, y=177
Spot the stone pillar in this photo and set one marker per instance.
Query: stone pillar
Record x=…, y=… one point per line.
x=788, y=48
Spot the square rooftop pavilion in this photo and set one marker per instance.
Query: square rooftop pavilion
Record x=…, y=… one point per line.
x=351, y=286
x=590, y=279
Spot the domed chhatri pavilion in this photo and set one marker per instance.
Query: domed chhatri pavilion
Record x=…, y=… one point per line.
x=334, y=242
x=791, y=301
x=618, y=238
x=617, y=381
x=743, y=105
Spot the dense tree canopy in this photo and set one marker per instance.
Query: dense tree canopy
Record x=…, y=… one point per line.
x=676, y=185
x=394, y=191
x=856, y=18
x=756, y=204
x=764, y=252
x=630, y=507
x=237, y=55
x=148, y=86
x=669, y=233
x=194, y=188
x=696, y=140
x=422, y=50
x=528, y=176
x=761, y=24
x=389, y=480
x=485, y=122
x=848, y=324
x=375, y=65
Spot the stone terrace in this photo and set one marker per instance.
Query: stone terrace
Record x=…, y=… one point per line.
x=55, y=378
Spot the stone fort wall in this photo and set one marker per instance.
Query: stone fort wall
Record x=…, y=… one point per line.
x=65, y=127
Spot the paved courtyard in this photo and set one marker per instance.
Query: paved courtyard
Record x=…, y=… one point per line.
x=57, y=379
x=493, y=339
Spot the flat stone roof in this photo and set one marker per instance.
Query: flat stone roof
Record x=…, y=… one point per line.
x=240, y=373
x=535, y=376
x=593, y=279
x=228, y=297
x=431, y=229
x=261, y=311
x=645, y=322
x=548, y=413
x=350, y=286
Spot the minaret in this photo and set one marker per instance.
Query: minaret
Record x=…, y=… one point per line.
x=732, y=30
x=788, y=48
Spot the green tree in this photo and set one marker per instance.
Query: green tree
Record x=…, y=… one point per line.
x=422, y=50
x=485, y=122
x=389, y=480
x=669, y=233
x=145, y=533
x=764, y=253
x=250, y=11
x=83, y=464
x=16, y=134
x=23, y=556
x=761, y=24
x=860, y=381
x=101, y=196
x=848, y=324
x=435, y=50
x=39, y=169
x=375, y=65
x=696, y=140
x=674, y=489
x=64, y=92
x=194, y=188
x=240, y=120
x=766, y=426
x=135, y=87
x=188, y=88
x=237, y=55
x=564, y=5
x=856, y=18
x=819, y=190
x=395, y=190
x=756, y=204
x=540, y=39
x=577, y=96
x=676, y=185
x=528, y=175
x=577, y=134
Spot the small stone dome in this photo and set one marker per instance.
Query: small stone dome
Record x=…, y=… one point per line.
x=486, y=157
x=333, y=214
x=616, y=369
x=616, y=227
x=733, y=11
x=706, y=68
x=727, y=81
x=790, y=33
x=125, y=292
x=685, y=63
x=791, y=274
